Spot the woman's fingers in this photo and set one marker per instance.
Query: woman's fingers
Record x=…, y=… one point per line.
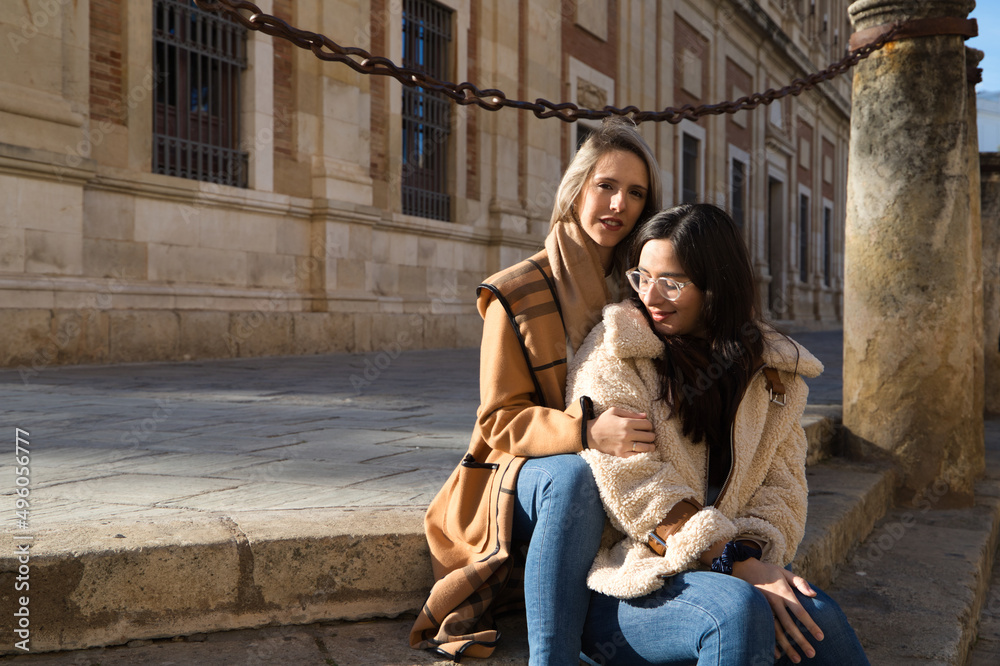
x=802, y=585
x=621, y=433
x=791, y=631
x=782, y=644
x=798, y=609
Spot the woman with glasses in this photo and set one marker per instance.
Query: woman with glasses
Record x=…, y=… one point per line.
x=520, y=499
x=708, y=516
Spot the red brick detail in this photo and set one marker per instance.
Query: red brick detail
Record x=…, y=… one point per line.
x=379, y=88
x=829, y=152
x=284, y=86
x=590, y=50
x=686, y=38
x=585, y=47
x=739, y=78
x=106, y=83
x=804, y=132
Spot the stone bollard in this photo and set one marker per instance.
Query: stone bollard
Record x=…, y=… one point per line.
x=909, y=277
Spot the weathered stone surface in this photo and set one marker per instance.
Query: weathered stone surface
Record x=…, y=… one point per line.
x=81, y=336
x=260, y=333
x=322, y=333
x=26, y=337
x=914, y=588
x=908, y=352
x=114, y=258
x=990, y=164
x=141, y=335
x=203, y=334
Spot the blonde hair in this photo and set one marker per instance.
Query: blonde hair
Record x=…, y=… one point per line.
x=615, y=133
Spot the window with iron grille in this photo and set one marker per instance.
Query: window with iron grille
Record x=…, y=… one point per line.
x=426, y=115
x=689, y=169
x=198, y=59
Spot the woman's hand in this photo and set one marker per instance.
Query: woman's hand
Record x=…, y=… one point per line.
x=778, y=586
x=621, y=433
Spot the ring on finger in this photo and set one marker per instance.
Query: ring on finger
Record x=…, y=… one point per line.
x=633, y=447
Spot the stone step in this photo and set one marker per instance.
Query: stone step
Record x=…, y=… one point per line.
x=252, y=572
x=914, y=590
x=115, y=581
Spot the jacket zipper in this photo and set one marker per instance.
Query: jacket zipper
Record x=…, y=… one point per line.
x=732, y=443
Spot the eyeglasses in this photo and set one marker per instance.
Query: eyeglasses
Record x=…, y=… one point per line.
x=669, y=288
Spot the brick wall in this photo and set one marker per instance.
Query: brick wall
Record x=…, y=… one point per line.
x=738, y=80
x=804, y=134
x=585, y=47
x=106, y=61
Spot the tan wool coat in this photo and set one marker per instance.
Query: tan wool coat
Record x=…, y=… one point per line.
x=529, y=312
x=764, y=497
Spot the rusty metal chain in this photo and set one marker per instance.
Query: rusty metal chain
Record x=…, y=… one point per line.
x=492, y=99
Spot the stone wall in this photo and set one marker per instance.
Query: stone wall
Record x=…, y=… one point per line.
x=102, y=260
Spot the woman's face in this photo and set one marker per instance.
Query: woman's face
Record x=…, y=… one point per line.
x=612, y=199
x=680, y=317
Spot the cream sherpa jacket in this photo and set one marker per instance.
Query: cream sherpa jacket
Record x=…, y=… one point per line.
x=765, y=496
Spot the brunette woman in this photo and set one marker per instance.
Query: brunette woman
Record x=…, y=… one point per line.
x=517, y=484
x=707, y=517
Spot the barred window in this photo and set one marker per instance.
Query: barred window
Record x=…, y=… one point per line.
x=198, y=58
x=691, y=148
x=426, y=115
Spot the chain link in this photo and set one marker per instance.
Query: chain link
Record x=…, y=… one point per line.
x=492, y=99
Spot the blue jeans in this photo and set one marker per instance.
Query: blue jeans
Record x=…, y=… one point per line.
x=559, y=513
x=701, y=617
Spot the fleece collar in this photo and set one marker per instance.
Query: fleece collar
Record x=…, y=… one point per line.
x=630, y=336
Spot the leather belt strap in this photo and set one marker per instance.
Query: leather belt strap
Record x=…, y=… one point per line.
x=775, y=388
x=926, y=27
x=675, y=519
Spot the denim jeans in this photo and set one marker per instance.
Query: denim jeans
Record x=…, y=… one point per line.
x=701, y=617
x=559, y=513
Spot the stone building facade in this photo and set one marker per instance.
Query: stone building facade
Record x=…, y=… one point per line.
x=174, y=187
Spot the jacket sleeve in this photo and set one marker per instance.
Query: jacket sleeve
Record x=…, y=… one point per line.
x=639, y=491
x=509, y=419
x=776, y=512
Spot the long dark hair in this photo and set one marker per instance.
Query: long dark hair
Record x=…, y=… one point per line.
x=703, y=379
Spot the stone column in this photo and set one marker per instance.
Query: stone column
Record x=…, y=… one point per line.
x=908, y=301
x=972, y=59
x=990, y=165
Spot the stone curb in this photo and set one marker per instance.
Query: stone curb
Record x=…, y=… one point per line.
x=111, y=582
x=108, y=584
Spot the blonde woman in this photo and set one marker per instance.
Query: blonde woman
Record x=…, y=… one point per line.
x=519, y=490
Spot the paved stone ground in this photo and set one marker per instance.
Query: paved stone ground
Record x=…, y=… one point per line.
x=146, y=441
x=173, y=440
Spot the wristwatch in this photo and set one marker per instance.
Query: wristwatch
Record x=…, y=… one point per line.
x=733, y=552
